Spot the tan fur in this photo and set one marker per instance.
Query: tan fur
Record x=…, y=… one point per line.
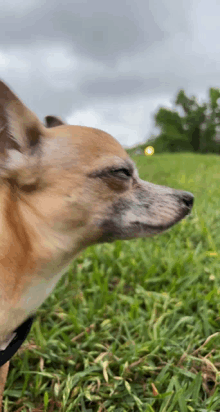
x=3, y=377
x=57, y=198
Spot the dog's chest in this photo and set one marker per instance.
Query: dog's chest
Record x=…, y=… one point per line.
x=34, y=294
x=37, y=291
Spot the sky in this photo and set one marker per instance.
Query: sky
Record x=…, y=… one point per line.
x=109, y=64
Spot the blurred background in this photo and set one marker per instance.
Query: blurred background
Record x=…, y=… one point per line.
x=115, y=65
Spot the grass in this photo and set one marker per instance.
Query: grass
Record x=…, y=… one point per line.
x=134, y=325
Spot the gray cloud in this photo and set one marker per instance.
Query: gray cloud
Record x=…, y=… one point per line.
x=128, y=85
x=104, y=57
x=98, y=29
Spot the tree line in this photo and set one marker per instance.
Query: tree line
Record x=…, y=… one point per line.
x=195, y=130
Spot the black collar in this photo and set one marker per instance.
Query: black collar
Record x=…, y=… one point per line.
x=20, y=335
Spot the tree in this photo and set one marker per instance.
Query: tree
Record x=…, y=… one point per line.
x=195, y=130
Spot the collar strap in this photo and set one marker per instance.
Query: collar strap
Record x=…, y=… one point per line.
x=18, y=337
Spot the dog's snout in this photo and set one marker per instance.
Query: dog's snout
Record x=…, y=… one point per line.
x=188, y=199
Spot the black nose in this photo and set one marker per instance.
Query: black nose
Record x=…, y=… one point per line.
x=188, y=199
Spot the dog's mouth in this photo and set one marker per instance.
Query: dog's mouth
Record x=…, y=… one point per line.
x=147, y=212
x=136, y=229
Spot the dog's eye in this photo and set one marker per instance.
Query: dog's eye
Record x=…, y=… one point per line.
x=123, y=173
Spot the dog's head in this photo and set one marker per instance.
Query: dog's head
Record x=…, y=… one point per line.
x=79, y=180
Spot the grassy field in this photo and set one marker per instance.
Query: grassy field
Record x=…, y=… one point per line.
x=134, y=325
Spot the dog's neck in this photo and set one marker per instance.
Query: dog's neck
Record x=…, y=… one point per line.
x=33, y=257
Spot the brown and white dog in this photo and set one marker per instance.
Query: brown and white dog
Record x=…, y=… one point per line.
x=64, y=188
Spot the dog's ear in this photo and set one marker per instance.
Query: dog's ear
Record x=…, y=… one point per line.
x=53, y=121
x=20, y=139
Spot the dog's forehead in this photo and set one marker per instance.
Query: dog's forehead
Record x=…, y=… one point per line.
x=89, y=144
x=96, y=140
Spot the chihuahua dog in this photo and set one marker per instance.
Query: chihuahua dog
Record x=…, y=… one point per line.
x=62, y=189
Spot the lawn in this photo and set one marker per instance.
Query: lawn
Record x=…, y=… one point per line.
x=134, y=325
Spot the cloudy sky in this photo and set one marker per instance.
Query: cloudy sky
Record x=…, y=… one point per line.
x=109, y=64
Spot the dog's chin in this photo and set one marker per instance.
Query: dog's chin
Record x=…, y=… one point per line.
x=112, y=232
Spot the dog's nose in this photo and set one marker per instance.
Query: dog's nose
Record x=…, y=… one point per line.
x=188, y=199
